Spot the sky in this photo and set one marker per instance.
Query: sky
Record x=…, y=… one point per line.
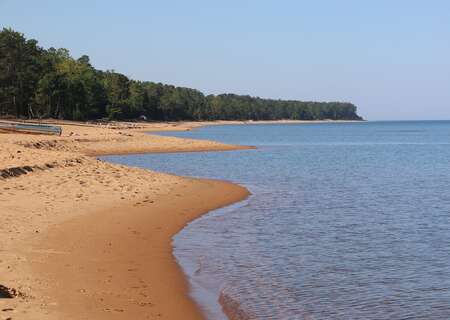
x=391, y=58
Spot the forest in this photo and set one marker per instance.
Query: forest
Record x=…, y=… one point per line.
x=49, y=83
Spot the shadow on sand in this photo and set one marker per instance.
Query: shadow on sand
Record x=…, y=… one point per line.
x=6, y=293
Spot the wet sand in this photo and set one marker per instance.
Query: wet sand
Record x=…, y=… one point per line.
x=81, y=238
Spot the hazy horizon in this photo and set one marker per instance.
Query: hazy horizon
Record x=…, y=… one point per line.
x=390, y=59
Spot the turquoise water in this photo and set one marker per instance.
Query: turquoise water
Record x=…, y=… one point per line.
x=346, y=221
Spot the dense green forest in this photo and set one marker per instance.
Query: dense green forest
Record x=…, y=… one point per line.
x=49, y=83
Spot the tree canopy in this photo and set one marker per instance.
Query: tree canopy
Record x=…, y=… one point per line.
x=43, y=83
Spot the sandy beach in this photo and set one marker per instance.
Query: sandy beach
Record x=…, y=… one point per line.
x=81, y=238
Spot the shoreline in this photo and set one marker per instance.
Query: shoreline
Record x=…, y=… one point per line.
x=145, y=278
x=59, y=246
x=68, y=184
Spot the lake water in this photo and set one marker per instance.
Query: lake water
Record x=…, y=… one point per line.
x=346, y=221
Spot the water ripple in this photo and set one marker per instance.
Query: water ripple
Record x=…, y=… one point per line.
x=345, y=222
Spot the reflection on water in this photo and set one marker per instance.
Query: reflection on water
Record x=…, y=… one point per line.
x=346, y=221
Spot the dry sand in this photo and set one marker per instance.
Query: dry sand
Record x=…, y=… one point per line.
x=85, y=239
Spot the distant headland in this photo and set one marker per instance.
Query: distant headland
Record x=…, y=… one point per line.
x=49, y=83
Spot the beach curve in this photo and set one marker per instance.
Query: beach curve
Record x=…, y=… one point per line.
x=79, y=241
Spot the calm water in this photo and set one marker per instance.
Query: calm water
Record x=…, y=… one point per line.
x=346, y=221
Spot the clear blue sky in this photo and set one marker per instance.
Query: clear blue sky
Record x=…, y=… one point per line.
x=389, y=57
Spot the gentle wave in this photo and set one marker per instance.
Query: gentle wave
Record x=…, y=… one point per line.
x=233, y=309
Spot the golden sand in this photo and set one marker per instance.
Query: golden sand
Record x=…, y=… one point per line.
x=85, y=239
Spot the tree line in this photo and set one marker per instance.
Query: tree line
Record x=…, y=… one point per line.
x=50, y=83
